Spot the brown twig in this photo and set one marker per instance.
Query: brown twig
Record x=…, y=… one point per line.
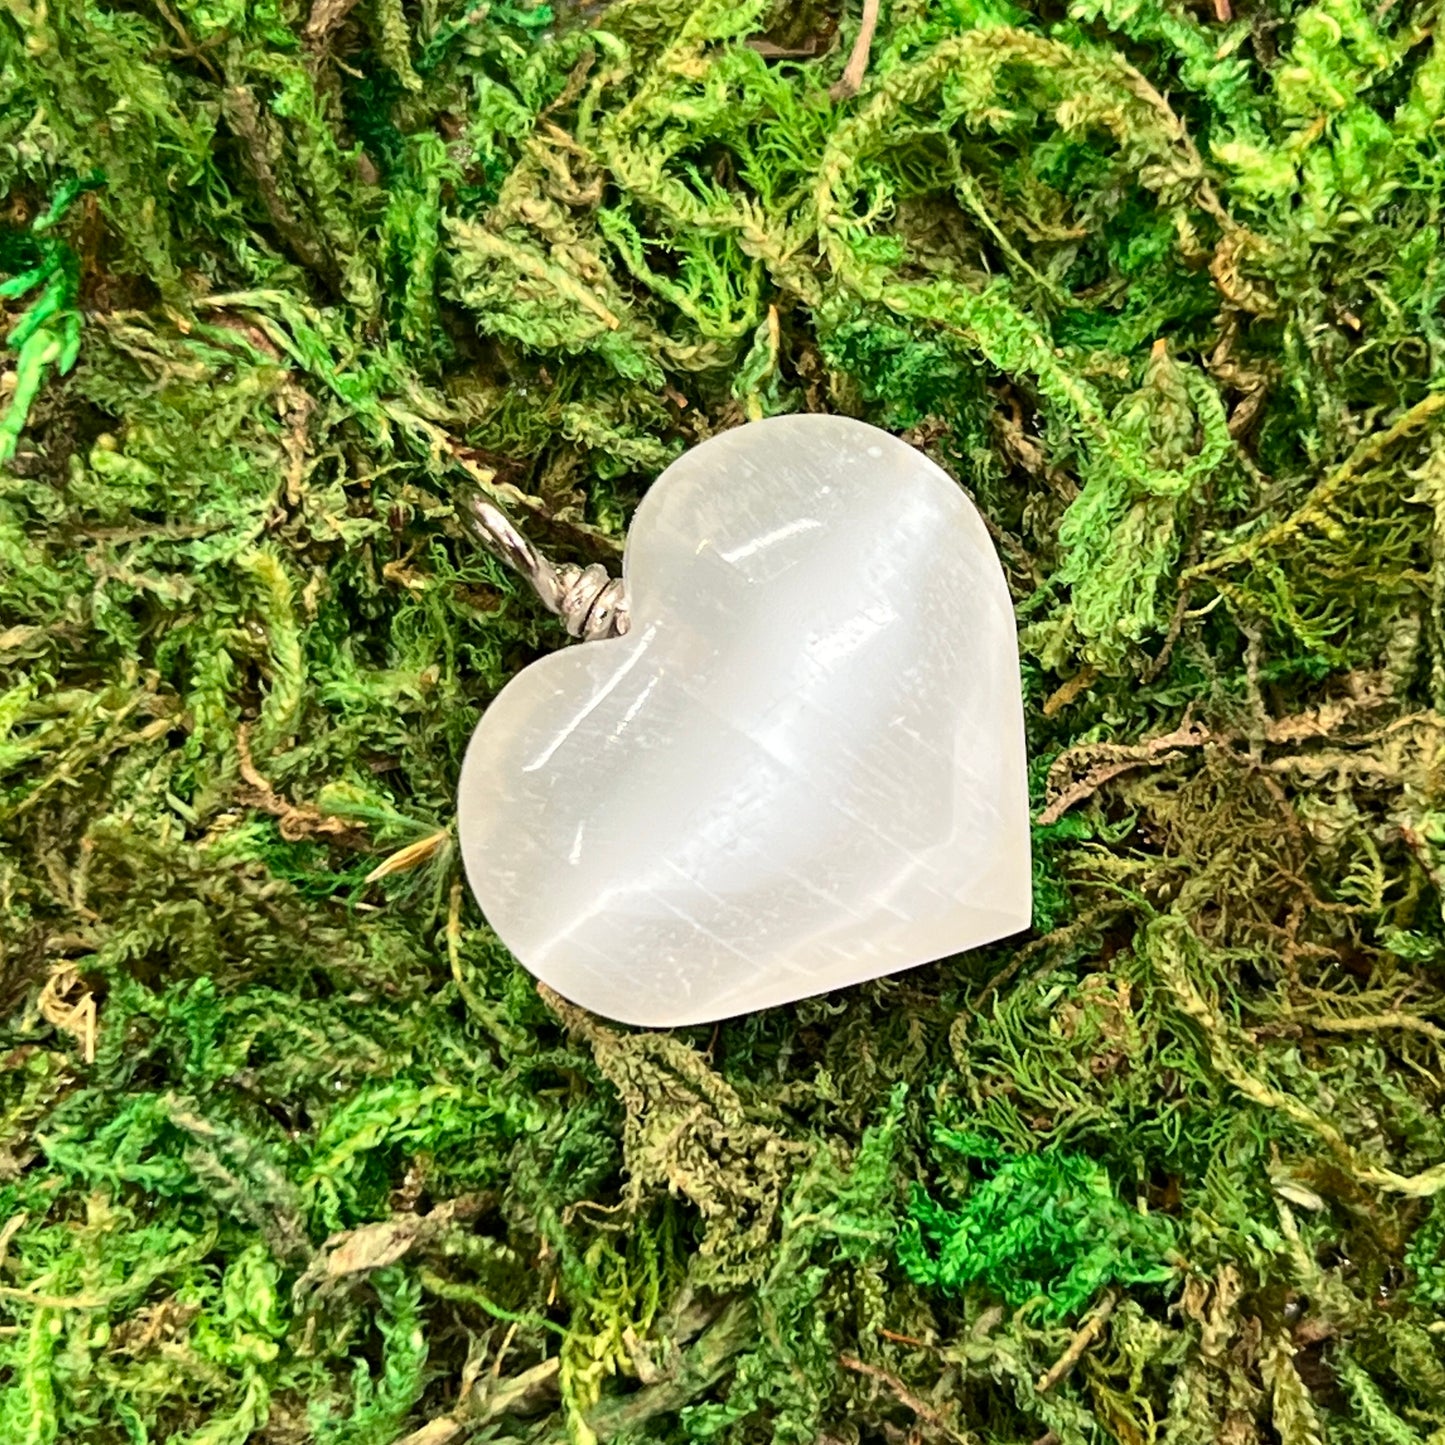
x=1171, y=636
x=904, y=1396
x=851, y=80
x=297, y=820
x=903, y=1339
x=1114, y=759
x=1085, y=1336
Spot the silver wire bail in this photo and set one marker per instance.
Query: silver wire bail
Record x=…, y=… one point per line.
x=591, y=603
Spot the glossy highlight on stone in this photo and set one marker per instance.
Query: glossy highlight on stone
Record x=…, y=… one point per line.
x=802, y=768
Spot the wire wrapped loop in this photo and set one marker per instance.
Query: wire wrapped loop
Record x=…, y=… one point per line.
x=591, y=603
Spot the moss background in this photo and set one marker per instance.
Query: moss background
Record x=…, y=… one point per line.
x=290, y=1150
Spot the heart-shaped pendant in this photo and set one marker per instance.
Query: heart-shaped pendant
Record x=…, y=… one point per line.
x=802, y=767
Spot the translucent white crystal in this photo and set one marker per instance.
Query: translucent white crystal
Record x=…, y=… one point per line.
x=803, y=766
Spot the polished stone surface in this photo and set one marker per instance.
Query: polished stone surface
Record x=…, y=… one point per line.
x=803, y=767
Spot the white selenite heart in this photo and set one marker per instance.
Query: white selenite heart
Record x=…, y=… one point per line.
x=803, y=767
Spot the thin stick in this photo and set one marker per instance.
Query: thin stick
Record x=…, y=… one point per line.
x=904, y=1396
x=852, y=79
x=1088, y=1332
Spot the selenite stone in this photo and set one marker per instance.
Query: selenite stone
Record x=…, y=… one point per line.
x=803, y=767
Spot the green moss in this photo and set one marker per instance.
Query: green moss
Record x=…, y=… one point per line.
x=1047, y=1229
x=290, y=1149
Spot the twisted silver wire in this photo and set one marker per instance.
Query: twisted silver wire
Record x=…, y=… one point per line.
x=591, y=603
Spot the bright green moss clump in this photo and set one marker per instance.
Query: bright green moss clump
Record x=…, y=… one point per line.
x=1045, y=1229
x=290, y=1150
